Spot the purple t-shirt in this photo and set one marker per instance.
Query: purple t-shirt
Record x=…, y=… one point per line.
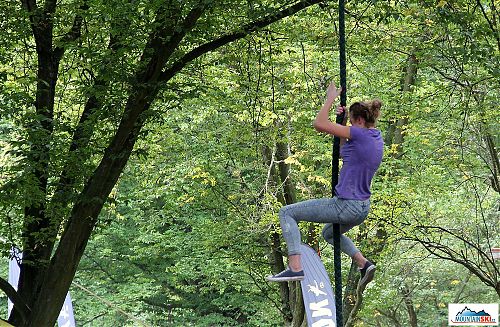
x=361, y=155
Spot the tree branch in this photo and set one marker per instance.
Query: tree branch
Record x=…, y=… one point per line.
x=76, y=30
x=464, y=240
x=111, y=305
x=236, y=35
x=50, y=6
x=490, y=23
x=163, y=50
x=73, y=34
x=16, y=299
x=29, y=5
x=83, y=132
x=446, y=254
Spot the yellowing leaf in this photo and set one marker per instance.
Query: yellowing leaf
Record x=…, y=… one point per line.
x=291, y=161
x=441, y=3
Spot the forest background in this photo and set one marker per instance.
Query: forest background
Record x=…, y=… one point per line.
x=147, y=146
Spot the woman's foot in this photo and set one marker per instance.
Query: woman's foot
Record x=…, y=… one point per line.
x=287, y=275
x=367, y=274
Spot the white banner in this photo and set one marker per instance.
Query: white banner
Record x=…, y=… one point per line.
x=14, y=271
x=317, y=291
x=66, y=317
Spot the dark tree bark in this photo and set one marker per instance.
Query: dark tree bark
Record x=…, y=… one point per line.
x=410, y=308
x=19, y=304
x=284, y=172
x=37, y=238
x=407, y=82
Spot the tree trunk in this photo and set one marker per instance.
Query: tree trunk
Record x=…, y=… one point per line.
x=284, y=172
x=298, y=309
x=81, y=223
x=493, y=155
x=350, y=298
x=297, y=303
x=402, y=121
x=276, y=254
x=37, y=237
x=47, y=286
x=412, y=315
x=291, y=295
x=277, y=266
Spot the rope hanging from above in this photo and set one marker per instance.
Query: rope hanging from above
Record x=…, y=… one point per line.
x=335, y=165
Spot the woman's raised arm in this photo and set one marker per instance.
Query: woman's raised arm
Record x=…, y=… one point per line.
x=322, y=122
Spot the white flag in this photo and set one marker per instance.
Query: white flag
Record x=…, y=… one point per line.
x=66, y=317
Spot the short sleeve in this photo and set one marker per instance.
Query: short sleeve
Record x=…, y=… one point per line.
x=355, y=133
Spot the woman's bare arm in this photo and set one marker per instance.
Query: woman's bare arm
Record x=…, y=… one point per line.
x=323, y=122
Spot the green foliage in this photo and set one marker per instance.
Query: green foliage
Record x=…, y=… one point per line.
x=184, y=237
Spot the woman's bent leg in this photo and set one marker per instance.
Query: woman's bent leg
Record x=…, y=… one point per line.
x=352, y=213
x=291, y=232
x=317, y=210
x=330, y=210
x=346, y=244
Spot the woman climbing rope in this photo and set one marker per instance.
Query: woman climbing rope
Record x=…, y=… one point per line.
x=361, y=150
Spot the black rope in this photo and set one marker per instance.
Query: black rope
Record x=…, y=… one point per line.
x=335, y=167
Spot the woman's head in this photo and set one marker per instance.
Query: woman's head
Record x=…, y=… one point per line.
x=366, y=112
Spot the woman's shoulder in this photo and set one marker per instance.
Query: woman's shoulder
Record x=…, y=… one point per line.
x=364, y=131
